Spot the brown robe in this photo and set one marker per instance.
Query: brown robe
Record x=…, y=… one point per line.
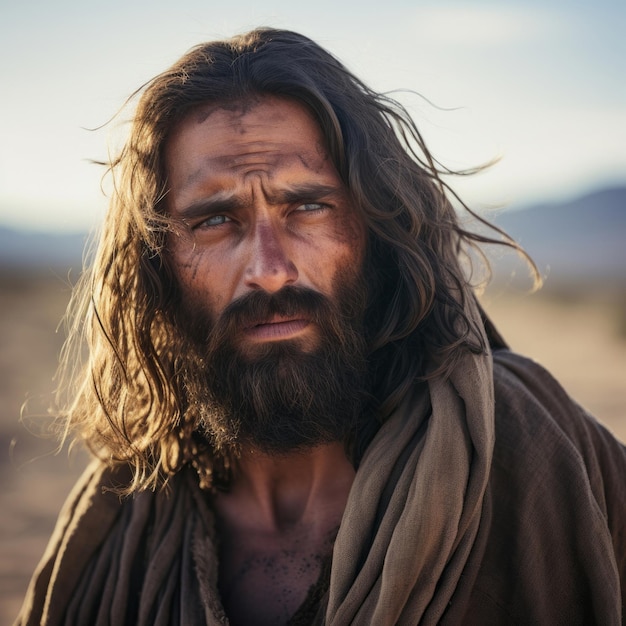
x=538, y=538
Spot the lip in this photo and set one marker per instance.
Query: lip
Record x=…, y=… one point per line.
x=277, y=328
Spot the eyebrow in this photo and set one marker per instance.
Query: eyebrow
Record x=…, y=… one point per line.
x=221, y=203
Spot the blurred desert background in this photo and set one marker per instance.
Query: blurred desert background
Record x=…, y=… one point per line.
x=576, y=326
x=538, y=85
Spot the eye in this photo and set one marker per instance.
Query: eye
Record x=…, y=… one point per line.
x=312, y=206
x=214, y=220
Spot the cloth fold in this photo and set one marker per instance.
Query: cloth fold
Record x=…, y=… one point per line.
x=409, y=526
x=440, y=526
x=432, y=458
x=128, y=561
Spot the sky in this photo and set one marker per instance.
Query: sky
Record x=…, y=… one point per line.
x=541, y=86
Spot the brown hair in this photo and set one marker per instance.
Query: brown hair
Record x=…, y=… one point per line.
x=127, y=402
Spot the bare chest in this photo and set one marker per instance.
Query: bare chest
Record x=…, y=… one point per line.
x=264, y=579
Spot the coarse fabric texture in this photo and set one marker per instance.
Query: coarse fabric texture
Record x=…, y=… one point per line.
x=408, y=500
x=146, y=560
x=415, y=506
x=534, y=535
x=552, y=546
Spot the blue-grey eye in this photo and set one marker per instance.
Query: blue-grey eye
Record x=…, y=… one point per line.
x=216, y=220
x=311, y=206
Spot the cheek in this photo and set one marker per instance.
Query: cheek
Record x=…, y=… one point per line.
x=188, y=268
x=351, y=239
x=198, y=277
x=186, y=261
x=339, y=263
x=337, y=249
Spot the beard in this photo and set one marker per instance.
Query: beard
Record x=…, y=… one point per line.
x=278, y=396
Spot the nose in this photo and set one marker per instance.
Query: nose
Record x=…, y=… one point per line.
x=269, y=267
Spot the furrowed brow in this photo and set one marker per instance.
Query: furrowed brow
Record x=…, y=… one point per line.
x=303, y=193
x=310, y=192
x=211, y=206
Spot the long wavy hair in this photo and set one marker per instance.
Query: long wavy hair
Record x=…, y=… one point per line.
x=128, y=400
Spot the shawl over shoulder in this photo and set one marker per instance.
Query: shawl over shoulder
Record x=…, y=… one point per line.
x=441, y=526
x=554, y=547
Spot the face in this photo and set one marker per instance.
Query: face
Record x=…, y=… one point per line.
x=260, y=207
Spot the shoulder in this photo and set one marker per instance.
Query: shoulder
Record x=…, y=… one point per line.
x=106, y=547
x=535, y=416
x=556, y=546
x=543, y=435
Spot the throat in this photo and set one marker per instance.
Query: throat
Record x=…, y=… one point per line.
x=277, y=527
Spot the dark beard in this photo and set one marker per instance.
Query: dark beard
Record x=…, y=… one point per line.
x=279, y=397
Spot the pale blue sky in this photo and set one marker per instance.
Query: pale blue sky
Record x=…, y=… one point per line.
x=543, y=85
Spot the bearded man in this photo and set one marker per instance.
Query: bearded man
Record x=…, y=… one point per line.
x=298, y=412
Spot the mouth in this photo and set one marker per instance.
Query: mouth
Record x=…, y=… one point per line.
x=277, y=328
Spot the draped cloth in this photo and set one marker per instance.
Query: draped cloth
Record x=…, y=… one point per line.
x=407, y=532
x=409, y=526
x=415, y=505
x=148, y=560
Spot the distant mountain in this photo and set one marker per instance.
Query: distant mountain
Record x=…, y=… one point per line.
x=21, y=249
x=579, y=240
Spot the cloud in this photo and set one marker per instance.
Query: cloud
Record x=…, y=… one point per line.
x=485, y=26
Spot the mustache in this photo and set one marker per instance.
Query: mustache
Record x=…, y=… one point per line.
x=258, y=307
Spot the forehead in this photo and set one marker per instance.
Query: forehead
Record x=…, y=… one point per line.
x=256, y=134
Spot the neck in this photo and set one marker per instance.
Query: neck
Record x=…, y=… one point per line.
x=301, y=488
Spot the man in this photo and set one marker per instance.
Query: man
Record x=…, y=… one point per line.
x=299, y=412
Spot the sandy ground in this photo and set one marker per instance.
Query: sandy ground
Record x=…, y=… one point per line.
x=582, y=340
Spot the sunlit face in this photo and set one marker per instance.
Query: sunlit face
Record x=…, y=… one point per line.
x=260, y=206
